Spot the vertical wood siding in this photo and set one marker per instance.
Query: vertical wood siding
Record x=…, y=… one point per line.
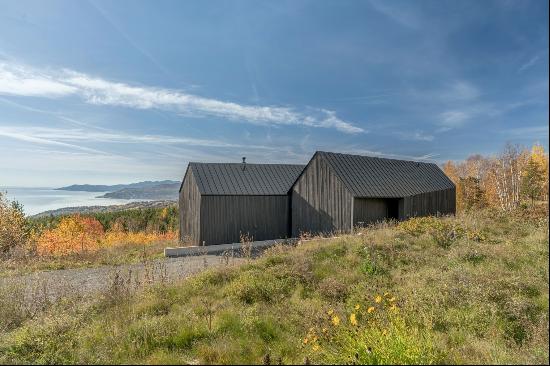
x=225, y=218
x=432, y=203
x=320, y=203
x=189, y=210
x=369, y=210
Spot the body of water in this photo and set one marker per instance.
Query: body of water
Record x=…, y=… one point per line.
x=37, y=200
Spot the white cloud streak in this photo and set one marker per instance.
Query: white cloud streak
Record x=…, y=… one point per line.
x=73, y=138
x=416, y=136
x=13, y=134
x=24, y=81
x=400, y=13
x=529, y=64
x=429, y=157
x=452, y=119
x=16, y=80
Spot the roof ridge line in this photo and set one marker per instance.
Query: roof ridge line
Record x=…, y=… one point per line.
x=373, y=157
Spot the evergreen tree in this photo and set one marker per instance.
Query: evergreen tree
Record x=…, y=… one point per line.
x=532, y=181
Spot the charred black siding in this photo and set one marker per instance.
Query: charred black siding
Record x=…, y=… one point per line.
x=226, y=218
x=220, y=202
x=334, y=193
x=320, y=202
x=337, y=192
x=432, y=203
x=189, y=204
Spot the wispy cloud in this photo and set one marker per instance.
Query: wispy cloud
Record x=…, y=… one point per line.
x=415, y=136
x=461, y=90
x=429, y=157
x=454, y=91
x=529, y=63
x=532, y=132
x=398, y=12
x=73, y=138
x=452, y=119
x=25, y=81
x=17, y=80
x=17, y=135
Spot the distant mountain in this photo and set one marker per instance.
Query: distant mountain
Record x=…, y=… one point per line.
x=112, y=208
x=167, y=191
x=116, y=187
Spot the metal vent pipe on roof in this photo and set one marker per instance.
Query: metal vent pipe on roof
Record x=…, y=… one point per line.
x=244, y=162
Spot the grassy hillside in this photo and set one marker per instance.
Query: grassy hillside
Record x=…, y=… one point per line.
x=467, y=290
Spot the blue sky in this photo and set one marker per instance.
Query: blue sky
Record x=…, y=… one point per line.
x=121, y=91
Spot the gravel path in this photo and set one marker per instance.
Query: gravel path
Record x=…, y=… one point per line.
x=92, y=281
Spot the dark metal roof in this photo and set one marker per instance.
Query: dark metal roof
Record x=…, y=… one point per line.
x=366, y=176
x=245, y=179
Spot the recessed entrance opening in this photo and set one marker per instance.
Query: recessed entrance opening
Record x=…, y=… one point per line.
x=393, y=208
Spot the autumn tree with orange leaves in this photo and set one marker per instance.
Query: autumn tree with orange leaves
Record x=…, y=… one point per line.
x=73, y=234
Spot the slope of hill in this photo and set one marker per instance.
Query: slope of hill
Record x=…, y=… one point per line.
x=116, y=187
x=472, y=289
x=167, y=191
x=112, y=208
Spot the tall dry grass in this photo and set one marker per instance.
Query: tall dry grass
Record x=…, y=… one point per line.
x=471, y=289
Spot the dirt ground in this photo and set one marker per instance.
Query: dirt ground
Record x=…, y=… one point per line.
x=86, y=282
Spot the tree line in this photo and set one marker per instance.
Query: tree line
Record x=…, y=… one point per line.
x=516, y=176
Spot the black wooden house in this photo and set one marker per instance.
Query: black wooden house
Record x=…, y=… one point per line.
x=219, y=202
x=334, y=192
x=338, y=192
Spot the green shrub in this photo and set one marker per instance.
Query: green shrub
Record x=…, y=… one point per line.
x=259, y=286
x=14, y=227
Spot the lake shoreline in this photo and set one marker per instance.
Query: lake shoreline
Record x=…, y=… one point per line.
x=39, y=201
x=109, y=208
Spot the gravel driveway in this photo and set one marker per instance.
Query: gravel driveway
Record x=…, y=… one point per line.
x=87, y=282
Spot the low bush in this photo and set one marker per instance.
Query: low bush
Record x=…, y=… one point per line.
x=14, y=227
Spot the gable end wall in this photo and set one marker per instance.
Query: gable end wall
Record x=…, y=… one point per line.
x=320, y=202
x=189, y=210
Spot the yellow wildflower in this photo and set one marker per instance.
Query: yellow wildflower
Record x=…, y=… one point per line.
x=386, y=294
x=384, y=332
x=353, y=319
x=335, y=320
x=393, y=307
x=315, y=347
x=357, y=307
x=330, y=312
x=392, y=299
x=325, y=330
x=370, y=310
x=378, y=299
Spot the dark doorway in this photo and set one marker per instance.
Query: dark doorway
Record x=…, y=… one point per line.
x=393, y=208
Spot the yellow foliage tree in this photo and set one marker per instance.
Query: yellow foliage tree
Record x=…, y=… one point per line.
x=496, y=181
x=539, y=157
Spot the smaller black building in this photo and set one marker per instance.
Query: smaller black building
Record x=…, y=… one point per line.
x=221, y=201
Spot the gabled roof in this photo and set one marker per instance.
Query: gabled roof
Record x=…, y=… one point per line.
x=366, y=176
x=244, y=179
